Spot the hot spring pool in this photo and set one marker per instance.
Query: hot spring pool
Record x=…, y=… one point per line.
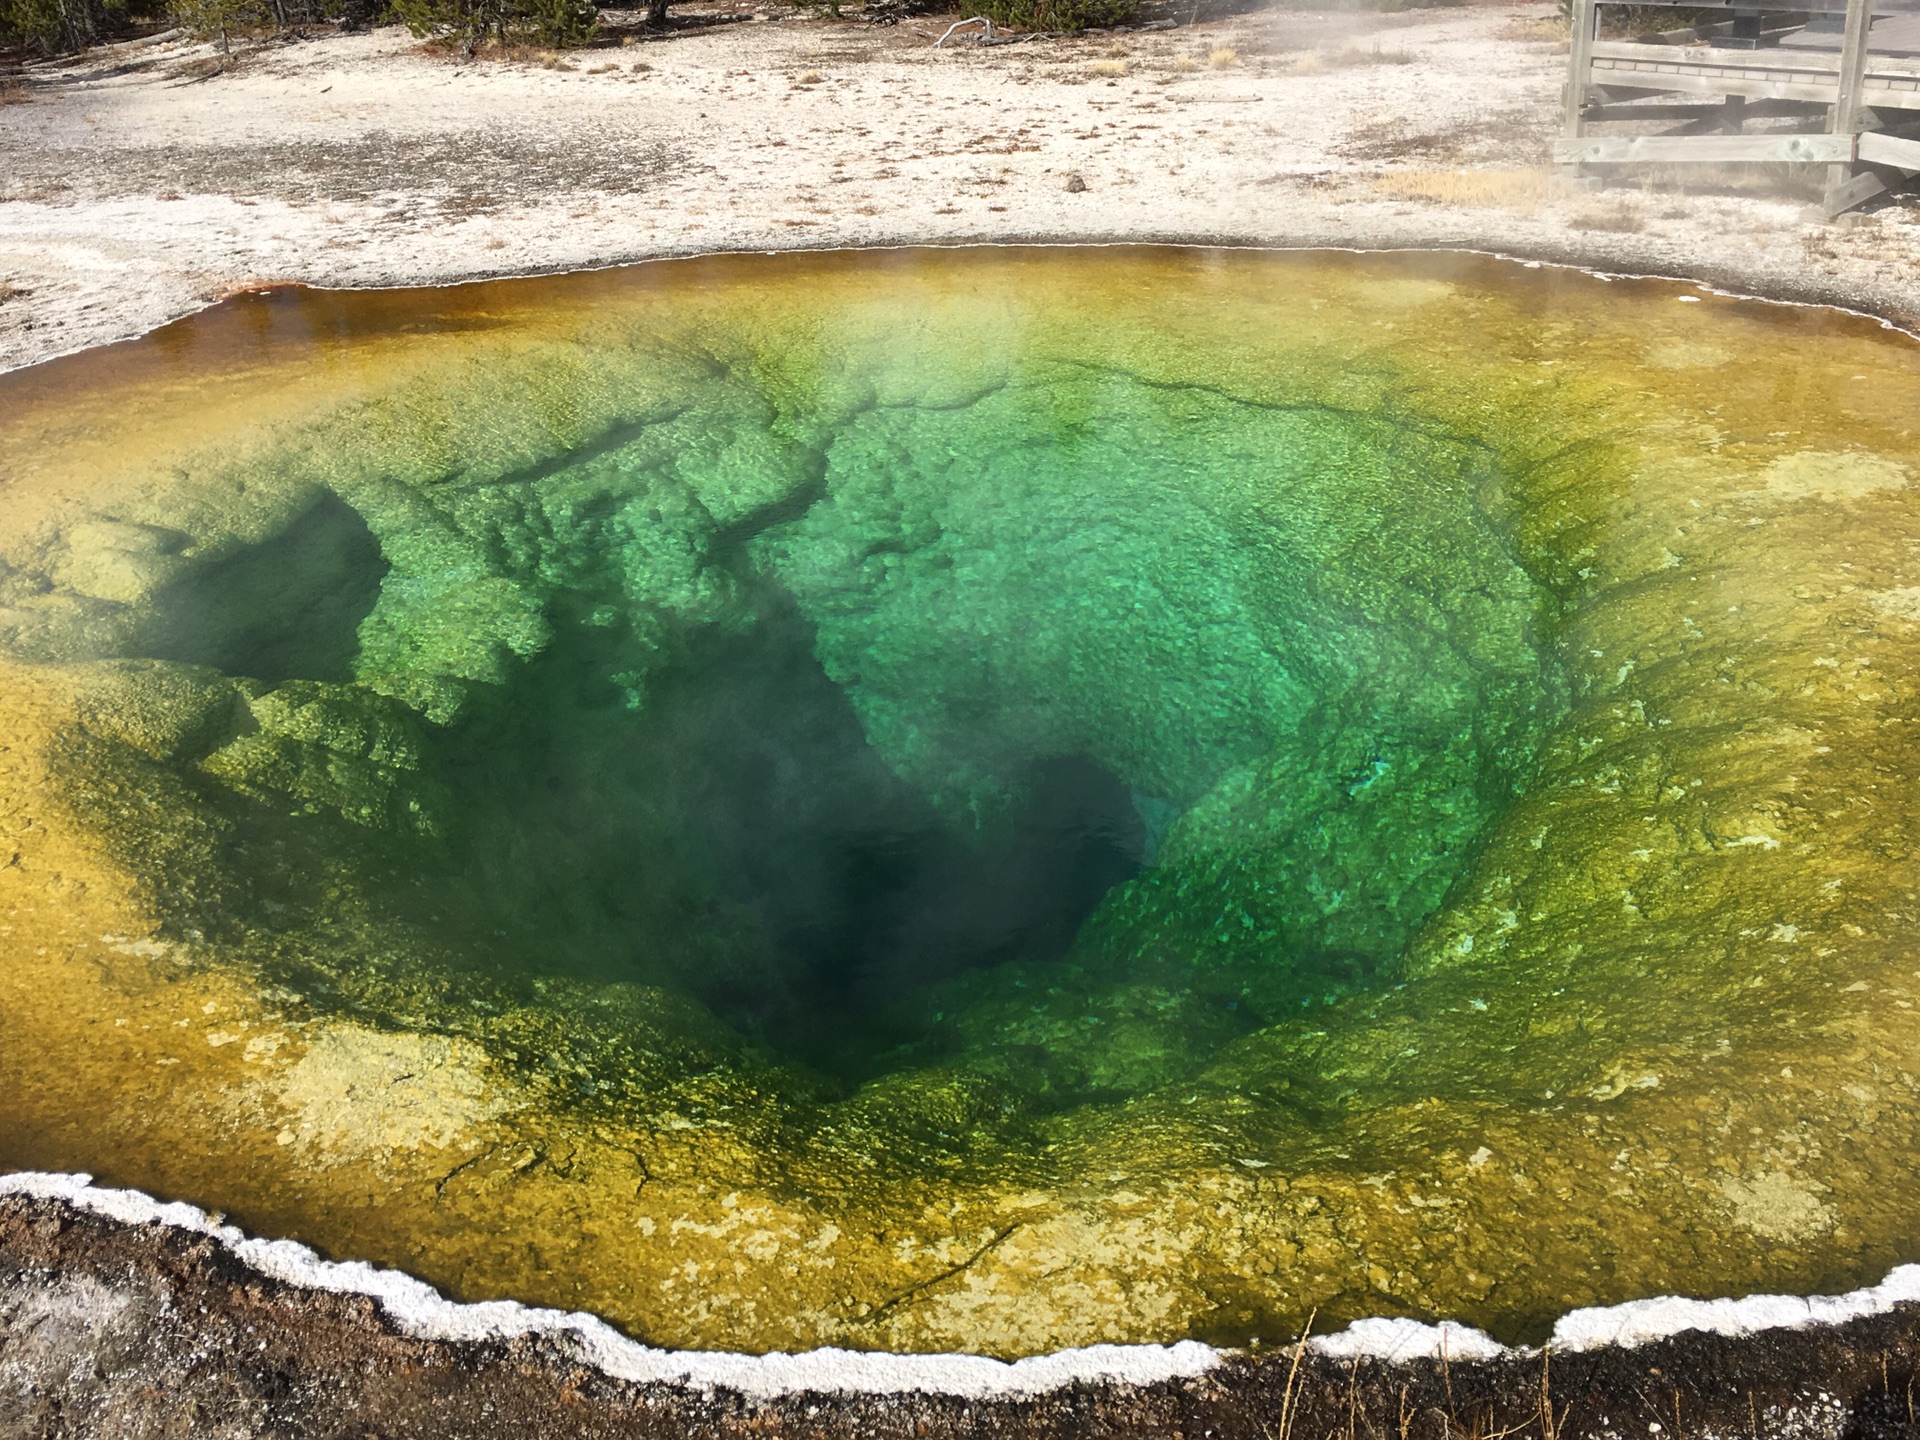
x=979, y=801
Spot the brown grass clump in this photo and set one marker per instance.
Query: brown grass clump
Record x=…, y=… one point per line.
x=1185, y=64
x=1309, y=64
x=1109, y=67
x=1518, y=190
x=1623, y=218
x=513, y=52
x=809, y=77
x=1353, y=57
x=1225, y=58
x=12, y=91
x=1554, y=30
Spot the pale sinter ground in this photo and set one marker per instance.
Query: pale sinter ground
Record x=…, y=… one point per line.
x=144, y=182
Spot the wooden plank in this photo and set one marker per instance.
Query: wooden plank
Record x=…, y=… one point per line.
x=1852, y=74
x=1760, y=110
x=1586, y=25
x=1617, y=94
x=1703, y=149
x=1842, y=186
x=1810, y=7
x=1857, y=190
x=1775, y=63
x=1892, y=35
x=1880, y=149
x=1782, y=62
x=1892, y=91
x=1813, y=92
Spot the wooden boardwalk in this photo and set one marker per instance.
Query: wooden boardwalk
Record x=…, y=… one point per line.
x=1842, y=90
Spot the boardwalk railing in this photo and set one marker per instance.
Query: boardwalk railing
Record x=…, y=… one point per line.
x=1856, y=111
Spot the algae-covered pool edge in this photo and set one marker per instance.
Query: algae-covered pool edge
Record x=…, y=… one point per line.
x=421, y=1312
x=1629, y=1080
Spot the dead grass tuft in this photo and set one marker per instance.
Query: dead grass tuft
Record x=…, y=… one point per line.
x=809, y=77
x=517, y=53
x=13, y=92
x=1225, y=58
x=1353, y=57
x=1621, y=218
x=1551, y=30
x=1517, y=190
x=1108, y=67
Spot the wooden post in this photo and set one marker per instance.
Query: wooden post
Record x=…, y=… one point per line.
x=1846, y=100
x=1586, y=20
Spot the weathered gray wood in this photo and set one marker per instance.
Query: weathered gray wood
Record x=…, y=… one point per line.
x=1892, y=35
x=1688, y=110
x=1857, y=190
x=1852, y=73
x=1775, y=28
x=1814, y=76
x=1784, y=63
x=1703, y=149
x=1847, y=104
x=1687, y=83
x=1811, y=7
x=1586, y=25
x=1860, y=93
x=1890, y=150
x=1615, y=94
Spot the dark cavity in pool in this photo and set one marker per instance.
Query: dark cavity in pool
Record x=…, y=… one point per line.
x=745, y=796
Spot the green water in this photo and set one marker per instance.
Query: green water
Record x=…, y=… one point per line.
x=979, y=801
x=1061, y=727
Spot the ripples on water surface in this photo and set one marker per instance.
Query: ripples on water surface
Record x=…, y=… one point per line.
x=978, y=801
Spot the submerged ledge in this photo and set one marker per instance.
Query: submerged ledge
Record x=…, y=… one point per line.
x=421, y=1312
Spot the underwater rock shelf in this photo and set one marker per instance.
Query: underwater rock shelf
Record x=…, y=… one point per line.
x=978, y=802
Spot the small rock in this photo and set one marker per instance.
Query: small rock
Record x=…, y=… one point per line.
x=1075, y=185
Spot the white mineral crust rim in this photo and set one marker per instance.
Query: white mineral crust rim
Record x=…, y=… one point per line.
x=420, y=1311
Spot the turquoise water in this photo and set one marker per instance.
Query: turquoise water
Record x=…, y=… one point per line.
x=857, y=716
x=983, y=801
